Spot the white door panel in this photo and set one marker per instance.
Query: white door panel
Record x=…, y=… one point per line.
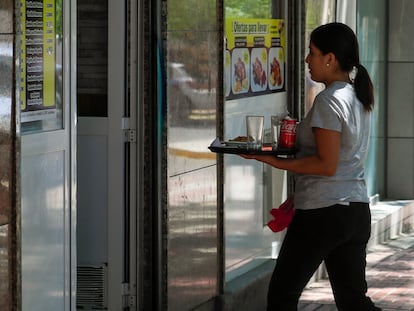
x=45, y=227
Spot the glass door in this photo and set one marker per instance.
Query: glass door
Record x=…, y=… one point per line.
x=102, y=150
x=47, y=124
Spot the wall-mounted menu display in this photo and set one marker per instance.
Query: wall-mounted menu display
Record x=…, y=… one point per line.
x=37, y=60
x=255, y=57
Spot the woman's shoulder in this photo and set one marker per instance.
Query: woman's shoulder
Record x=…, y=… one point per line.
x=338, y=93
x=338, y=89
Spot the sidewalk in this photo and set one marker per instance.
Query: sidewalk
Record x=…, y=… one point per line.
x=390, y=277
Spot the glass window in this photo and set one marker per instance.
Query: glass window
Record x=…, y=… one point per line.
x=255, y=38
x=40, y=50
x=191, y=57
x=371, y=22
x=318, y=12
x=369, y=19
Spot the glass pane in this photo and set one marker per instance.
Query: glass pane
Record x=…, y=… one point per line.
x=371, y=22
x=318, y=12
x=249, y=8
x=255, y=46
x=191, y=76
x=7, y=223
x=40, y=65
x=6, y=66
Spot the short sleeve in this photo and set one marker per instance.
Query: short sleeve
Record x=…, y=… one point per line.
x=326, y=114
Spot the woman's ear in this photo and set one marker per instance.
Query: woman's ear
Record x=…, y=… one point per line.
x=330, y=58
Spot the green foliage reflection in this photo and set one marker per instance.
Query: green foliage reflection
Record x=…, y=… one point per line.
x=191, y=14
x=59, y=12
x=248, y=8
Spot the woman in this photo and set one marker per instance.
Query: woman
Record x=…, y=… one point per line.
x=332, y=220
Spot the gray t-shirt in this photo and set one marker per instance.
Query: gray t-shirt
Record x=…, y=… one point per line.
x=336, y=108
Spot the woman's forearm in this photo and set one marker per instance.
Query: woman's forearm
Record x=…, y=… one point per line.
x=313, y=165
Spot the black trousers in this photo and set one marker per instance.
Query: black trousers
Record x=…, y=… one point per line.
x=336, y=234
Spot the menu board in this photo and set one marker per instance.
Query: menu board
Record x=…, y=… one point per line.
x=37, y=60
x=255, y=57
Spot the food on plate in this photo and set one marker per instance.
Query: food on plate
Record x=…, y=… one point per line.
x=240, y=139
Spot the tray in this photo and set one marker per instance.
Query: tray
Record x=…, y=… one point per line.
x=233, y=147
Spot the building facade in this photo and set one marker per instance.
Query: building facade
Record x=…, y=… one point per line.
x=109, y=196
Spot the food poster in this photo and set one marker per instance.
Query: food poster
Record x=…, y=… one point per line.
x=37, y=60
x=255, y=57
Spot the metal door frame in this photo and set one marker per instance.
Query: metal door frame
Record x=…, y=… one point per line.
x=63, y=139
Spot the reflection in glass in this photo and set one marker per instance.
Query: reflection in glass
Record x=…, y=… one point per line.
x=318, y=12
x=40, y=73
x=249, y=190
x=7, y=223
x=371, y=22
x=191, y=95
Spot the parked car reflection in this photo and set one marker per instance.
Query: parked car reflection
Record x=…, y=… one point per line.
x=190, y=100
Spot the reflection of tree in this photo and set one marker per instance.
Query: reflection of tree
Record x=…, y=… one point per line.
x=318, y=12
x=58, y=13
x=193, y=50
x=191, y=15
x=190, y=35
x=248, y=8
x=185, y=14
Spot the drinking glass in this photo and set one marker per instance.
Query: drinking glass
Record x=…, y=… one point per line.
x=275, y=126
x=255, y=127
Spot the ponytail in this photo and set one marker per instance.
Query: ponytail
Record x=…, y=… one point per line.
x=364, y=88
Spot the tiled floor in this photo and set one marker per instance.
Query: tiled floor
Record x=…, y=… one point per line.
x=390, y=277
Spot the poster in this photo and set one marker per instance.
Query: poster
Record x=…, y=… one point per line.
x=37, y=60
x=254, y=58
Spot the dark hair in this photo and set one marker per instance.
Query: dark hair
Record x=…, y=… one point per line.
x=339, y=39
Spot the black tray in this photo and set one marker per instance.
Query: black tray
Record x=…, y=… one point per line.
x=241, y=148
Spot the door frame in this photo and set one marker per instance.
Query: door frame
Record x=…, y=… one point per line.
x=117, y=289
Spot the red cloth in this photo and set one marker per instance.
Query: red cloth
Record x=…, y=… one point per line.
x=282, y=216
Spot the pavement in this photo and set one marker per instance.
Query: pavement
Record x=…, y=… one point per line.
x=390, y=278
